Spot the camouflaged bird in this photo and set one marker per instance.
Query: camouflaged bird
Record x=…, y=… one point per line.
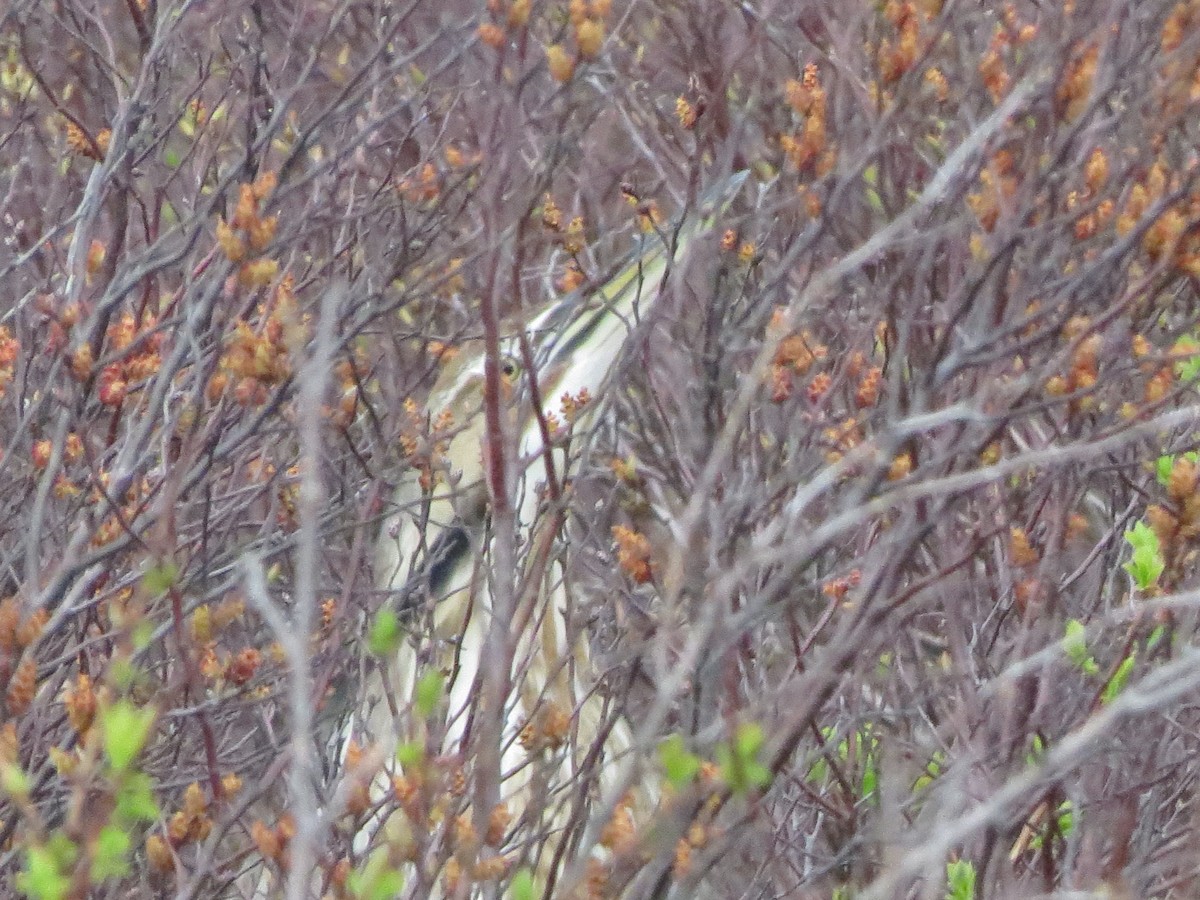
x=434, y=556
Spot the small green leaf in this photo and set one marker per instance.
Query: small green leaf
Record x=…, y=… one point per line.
x=110, y=855
x=679, y=765
x=1155, y=636
x=122, y=672
x=1146, y=563
x=739, y=760
x=14, y=781
x=1066, y=818
x=410, y=753
x=818, y=771
x=1120, y=678
x=522, y=886
x=385, y=635
x=1064, y=823
x=1074, y=644
x=748, y=739
x=429, y=692
x=933, y=769
x=377, y=880
x=63, y=850
x=1187, y=368
x=171, y=159
x=870, y=778
x=142, y=634
x=866, y=745
x=960, y=880
x=1037, y=747
x=135, y=799
x=125, y=728
x=1162, y=469
x=41, y=879
x=159, y=579
x=44, y=877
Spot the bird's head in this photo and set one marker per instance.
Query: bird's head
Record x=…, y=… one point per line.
x=575, y=340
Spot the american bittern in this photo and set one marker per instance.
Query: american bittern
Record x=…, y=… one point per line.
x=438, y=559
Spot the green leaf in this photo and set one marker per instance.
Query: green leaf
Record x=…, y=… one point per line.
x=122, y=672
x=1120, y=678
x=679, y=765
x=1146, y=563
x=377, y=880
x=410, y=753
x=142, y=634
x=43, y=879
x=14, y=781
x=1188, y=368
x=739, y=760
x=63, y=850
x=110, y=855
x=159, y=579
x=870, y=778
x=1064, y=824
x=960, y=880
x=1162, y=469
x=867, y=744
x=171, y=159
x=429, y=692
x=1066, y=818
x=135, y=799
x=385, y=635
x=1155, y=636
x=886, y=659
x=818, y=771
x=933, y=769
x=748, y=740
x=522, y=886
x=1037, y=747
x=1074, y=644
x=126, y=728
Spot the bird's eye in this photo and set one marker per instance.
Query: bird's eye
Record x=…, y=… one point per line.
x=509, y=367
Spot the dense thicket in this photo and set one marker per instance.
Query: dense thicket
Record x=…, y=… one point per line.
x=886, y=532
